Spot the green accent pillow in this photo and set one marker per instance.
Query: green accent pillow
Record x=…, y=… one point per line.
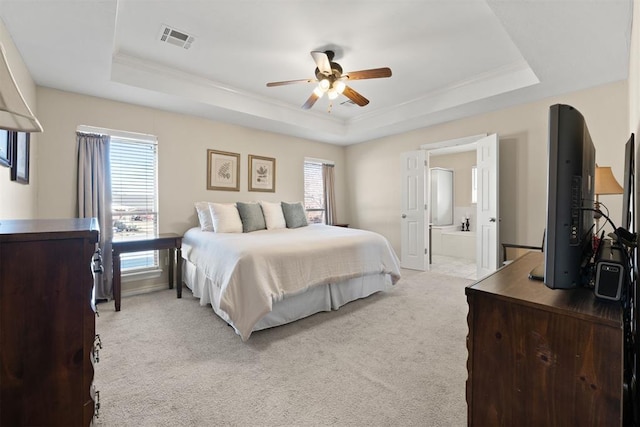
x=294, y=214
x=251, y=216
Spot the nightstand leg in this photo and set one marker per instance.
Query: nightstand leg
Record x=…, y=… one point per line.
x=172, y=257
x=179, y=272
x=116, y=280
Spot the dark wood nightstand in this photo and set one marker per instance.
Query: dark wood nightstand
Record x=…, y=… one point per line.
x=170, y=241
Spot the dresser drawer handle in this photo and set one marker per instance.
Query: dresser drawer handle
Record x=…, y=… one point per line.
x=96, y=411
x=97, y=262
x=97, y=346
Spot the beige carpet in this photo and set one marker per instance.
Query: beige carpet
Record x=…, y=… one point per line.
x=394, y=359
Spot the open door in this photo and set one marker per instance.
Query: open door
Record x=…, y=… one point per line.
x=488, y=237
x=414, y=236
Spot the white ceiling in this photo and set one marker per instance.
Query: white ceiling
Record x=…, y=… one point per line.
x=450, y=58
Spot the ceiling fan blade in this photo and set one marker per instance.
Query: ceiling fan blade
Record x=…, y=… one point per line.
x=374, y=73
x=289, y=82
x=312, y=100
x=355, y=96
x=322, y=62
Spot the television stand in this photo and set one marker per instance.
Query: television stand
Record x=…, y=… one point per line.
x=539, y=356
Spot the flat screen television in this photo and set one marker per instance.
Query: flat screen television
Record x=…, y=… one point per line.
x=635, y=305
x=628, y=185
x=570, y=199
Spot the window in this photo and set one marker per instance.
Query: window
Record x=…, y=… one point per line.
x=134, y=192
x=314, y=191
x=474, y=184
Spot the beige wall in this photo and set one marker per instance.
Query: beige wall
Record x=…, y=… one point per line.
x=182, y=156
x=19, y=200
x=374, y=178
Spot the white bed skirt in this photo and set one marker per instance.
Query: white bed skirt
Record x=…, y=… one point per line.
x=293, y=307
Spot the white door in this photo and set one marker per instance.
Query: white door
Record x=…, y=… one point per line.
x=413, y=254
x=488, y=237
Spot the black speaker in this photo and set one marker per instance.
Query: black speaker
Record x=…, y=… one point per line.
x=610, y=272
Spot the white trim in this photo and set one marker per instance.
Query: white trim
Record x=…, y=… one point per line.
x=135, y=276
x=145, y=289
x=452, y=145
x=119, y=133
x=319, y=161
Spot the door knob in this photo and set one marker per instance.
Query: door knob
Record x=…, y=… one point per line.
x=492, y=219
x=404, y=215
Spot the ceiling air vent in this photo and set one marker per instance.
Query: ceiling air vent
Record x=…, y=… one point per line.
x=175, y=37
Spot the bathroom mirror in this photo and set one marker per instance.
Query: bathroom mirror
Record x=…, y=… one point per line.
x=441, y=196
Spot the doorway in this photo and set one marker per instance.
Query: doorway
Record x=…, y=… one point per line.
x=452, y=213
x=415, y=207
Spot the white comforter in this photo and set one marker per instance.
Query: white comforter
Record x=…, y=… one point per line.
x=252, y=270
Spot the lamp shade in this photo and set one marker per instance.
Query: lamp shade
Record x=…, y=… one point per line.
x=14, y=112
x=605, y=182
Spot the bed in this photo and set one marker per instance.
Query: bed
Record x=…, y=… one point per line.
x=271, y=277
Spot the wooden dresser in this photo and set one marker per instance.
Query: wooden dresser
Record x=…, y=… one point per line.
x=47, y=321
x=542, y=357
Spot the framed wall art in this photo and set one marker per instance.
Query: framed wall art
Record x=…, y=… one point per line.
x=20, y=163
x=6, y=147
x=223, y=170
x=262, y=173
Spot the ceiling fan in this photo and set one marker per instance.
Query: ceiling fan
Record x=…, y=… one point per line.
x=331, y=80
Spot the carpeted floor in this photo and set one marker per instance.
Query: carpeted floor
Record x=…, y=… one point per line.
x=394, y=359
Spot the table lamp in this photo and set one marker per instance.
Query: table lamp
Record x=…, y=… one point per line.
x=15, y=114
x=605, y=184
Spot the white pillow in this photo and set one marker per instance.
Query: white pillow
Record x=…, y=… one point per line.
x=226, y=218
x=273, y=215
x=204, y=216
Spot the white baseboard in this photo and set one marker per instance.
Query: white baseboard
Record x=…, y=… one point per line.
x=145, y=289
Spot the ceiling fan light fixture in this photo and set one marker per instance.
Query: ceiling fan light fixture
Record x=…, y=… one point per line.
x=324, y=84
x=331, y=80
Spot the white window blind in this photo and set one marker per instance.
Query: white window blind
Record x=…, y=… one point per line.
x=134, y=191
x=314, y=192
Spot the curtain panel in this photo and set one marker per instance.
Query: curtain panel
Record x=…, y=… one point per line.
x=329, y=193
x=94, y=200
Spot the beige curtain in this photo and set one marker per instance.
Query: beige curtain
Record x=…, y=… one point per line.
x=329, y=193
x=94, y=200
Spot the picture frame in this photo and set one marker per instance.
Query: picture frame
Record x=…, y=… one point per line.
x=6, y=147
x=223, y=170
x=262, y=173
x=20, y=163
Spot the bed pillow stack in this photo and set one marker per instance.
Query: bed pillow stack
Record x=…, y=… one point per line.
x=226, y=218
x=242, y=217
x=294, y=215
x=204, y=216
x=251, y=216
x=273, y=215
